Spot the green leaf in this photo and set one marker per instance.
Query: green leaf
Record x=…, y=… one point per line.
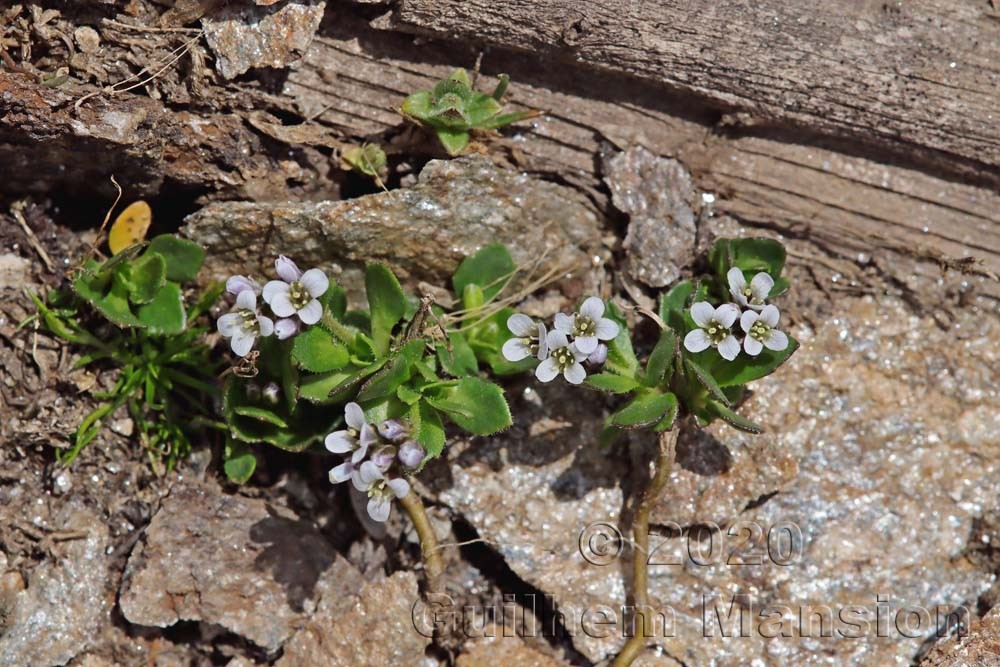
x=621, y=357
x=453, y=141
x=661, y=358
x=780, y=287
x=165, y=314
x=319, y=387
x=114, y=304
x=427, y=428
x=334, y=301
x=418, y=105
x=408, y=395
x=490, y=268
x=145, y=276
x=260, y=414
x=706, y=379
x=746, y=368
x=317, y=351
x=460, y=359
x=675, y=302
x=669, y=418
x=644, y=410
x=751, y=255
x=183, y=258
x=240, y=462
x=476, y=405
x=481, y=108
x=733, y=419
x=615, y=384
x=386, y=302
x=397, y=371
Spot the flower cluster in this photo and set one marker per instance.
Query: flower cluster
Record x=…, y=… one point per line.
x=758, y=322
x=574, y=339
x=293, y=300
x=376, y=458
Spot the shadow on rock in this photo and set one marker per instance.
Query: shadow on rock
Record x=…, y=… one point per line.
x=294, y=553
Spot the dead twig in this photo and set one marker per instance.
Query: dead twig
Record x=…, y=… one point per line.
x=17, y=210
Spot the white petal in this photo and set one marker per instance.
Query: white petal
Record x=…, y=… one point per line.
x=378, y=509
x=565, y=323
x=229, y=324
x=697, y=341
x=246, y=300
x=515, y=349
x=370, y=472
x=760, y=286
x=702, y=313
x=272, y=289
x=354, y=416
x=747, y=319
x=359, y=454
x=769, y=315
x=543, y=344
x=547, y=370
x=285, y=328
x=400, y=487
x=729, y=348
x=575, y=374
x=341, y=473
x=777, y=341
x=737, y=281
x=266, y=325
x=726, y=314
x=339, y=442
x=242, y=342
x=315, y=282
x=752, y=346
x=282, y=305
x=556, y=339
x=311, y=313
x=287, y=270
x=586, y=344
x=593, y=308
x=359, y=484
x=579, y=354
x=369, y=435
x=521, y=325
x=606, y=329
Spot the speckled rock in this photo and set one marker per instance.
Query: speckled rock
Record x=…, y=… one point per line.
x=881, y=449
x=60, y=612
x=371, y=629
x=423, y=232
x=252, y=568
x=979, y=647
x=247, y=36
x=499, y=649
x=659, y=198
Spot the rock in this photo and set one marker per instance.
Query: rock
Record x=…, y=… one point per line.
x=503, y=650
x=241, y=563
x=371, y=629
x=659, y=197
x=65, y=604
x=87, y=39
x=859, y=425
x=13, y=270
x=979, y=647
x=258, y=36
x=422, y=232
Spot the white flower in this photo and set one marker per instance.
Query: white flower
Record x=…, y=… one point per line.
x=286, y=327
x=244, y=323
x=563, y=358
x=530, y=341
x=752, y=295
x=343, y=472
x=761, y=332
x=380, y=490
x=296, y=293
x=356, y=438
x=588, y=325
x=237, y=284
x=714, y=329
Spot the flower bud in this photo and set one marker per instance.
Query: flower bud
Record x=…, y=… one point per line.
x=599, y=355
x=287, y=269
x=286, y=328
x=252, y=390
x=393, y=429
x=411, y=454
x=271, y=393
x=384, y=456
x=237, y=284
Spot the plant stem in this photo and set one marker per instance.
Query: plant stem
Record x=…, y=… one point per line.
x=640, y=553
x=343, y=332
x=430, y=551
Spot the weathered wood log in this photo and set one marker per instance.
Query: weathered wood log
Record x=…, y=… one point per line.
x=917, y=79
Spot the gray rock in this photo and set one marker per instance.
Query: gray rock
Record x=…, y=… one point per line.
x=371, y=629
x=979, y=647
x=422, y=232
x=252, y=568
x=65, y=604
x=881, y=446
x=659, y=197
x=257, y=36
